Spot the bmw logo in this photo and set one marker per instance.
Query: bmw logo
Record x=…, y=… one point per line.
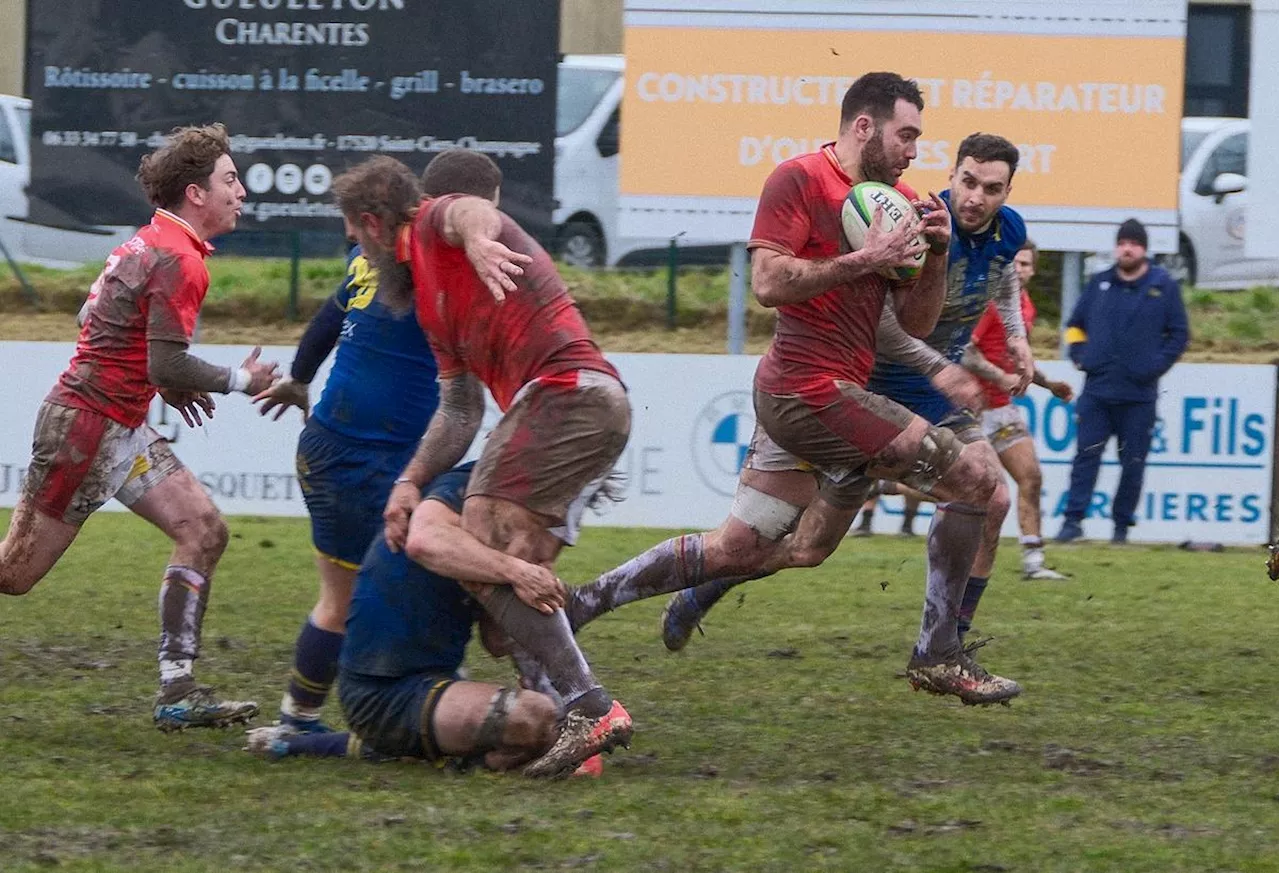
x=721, y=437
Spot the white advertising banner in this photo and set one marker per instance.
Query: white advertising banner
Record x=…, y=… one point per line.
x=1208, y=474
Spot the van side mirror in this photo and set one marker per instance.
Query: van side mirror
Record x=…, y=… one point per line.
x=1227, y=183
x=607, y=141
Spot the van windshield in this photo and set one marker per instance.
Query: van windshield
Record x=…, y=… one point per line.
x=1190, y=140
x=578, y=92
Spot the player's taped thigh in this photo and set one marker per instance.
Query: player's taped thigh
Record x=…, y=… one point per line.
x=489, y=737
x=937, y=452
x=770, y=517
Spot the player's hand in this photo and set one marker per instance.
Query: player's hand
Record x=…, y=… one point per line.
x=1024, y=364
x=404, y=499
x=496, y=265
x=1009, y=383
x=281, y=396
x=959, y=386
x=1060, y=390
x=261, y=375
x=190, y=405
x=537, y=586
x=935, y=223
x=889, y=248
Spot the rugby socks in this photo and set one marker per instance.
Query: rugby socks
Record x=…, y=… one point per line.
x=969, y=604
x=1032, y=554
x=336, y=744
x=183, y=597
x=910, y=507
x=315, y=666
x=669, y=566
x=549, y=640
x=533, y=676
x=708, y=594
x=953, y=540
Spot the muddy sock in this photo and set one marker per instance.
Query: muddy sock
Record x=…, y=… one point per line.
x=533, y=676
x=864, y=524
x=669, y=566
x=969, y=604
x=331, y=745
x=183, y=596
x=549, y=640
x=708, y=594
x=909, y=518
x=315, y=666
x=953, y=540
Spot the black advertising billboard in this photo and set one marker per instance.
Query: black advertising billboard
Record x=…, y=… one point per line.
x=305, y=87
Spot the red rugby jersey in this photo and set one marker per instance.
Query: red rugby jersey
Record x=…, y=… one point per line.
x=832, y=335
x=536, y=333
x=990, y=338
x=150, y=289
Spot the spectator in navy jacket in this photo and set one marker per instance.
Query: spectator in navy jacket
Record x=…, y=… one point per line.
x=1128, y=328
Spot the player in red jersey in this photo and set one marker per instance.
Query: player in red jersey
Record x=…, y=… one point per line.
x=498, y=315
x=92, y=441
x=821, y=438
x=987, y=356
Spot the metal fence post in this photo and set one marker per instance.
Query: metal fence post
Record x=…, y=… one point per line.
x=1072, y=269
x=737, y=298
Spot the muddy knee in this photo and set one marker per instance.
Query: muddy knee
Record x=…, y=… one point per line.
x=211, y=534
x=974, y=480
x=757, y=524
x=532, y=724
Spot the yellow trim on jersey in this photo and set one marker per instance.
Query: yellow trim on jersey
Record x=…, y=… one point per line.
x=363, y=283
x=337, y=562
x=1075, y=335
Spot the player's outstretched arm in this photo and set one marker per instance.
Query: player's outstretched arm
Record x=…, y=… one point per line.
x=474, y=224
x=449, y=434
x=438, y=542
x=1008, y=301
x=1060, y=390
x=171, y=367
x=317, y=341
x=976, y=363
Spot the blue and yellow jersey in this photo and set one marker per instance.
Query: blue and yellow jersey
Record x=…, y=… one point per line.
x=382, y=387
x=405, y=619
x=976, y=265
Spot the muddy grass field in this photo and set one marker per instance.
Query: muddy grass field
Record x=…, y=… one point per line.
x=783, y=740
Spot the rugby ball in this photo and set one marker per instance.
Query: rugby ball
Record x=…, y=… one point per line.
x=859, y=210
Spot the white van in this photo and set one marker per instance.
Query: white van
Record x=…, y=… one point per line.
x=588, y=103
x=67, y=244
x=1212, y=203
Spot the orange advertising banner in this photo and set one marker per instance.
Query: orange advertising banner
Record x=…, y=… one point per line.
x=710, y=112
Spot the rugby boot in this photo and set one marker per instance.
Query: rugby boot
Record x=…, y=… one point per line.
x=191, y=706
x=962, y=677
x=681, y=615
x=592, y=768
x=1033, y=566
x=582, y=737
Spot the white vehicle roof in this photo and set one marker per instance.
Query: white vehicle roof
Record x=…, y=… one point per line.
x=1206, y=124
x=594, y=62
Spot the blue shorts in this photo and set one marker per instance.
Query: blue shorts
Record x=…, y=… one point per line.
x=345, y=484
x=393, y=715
